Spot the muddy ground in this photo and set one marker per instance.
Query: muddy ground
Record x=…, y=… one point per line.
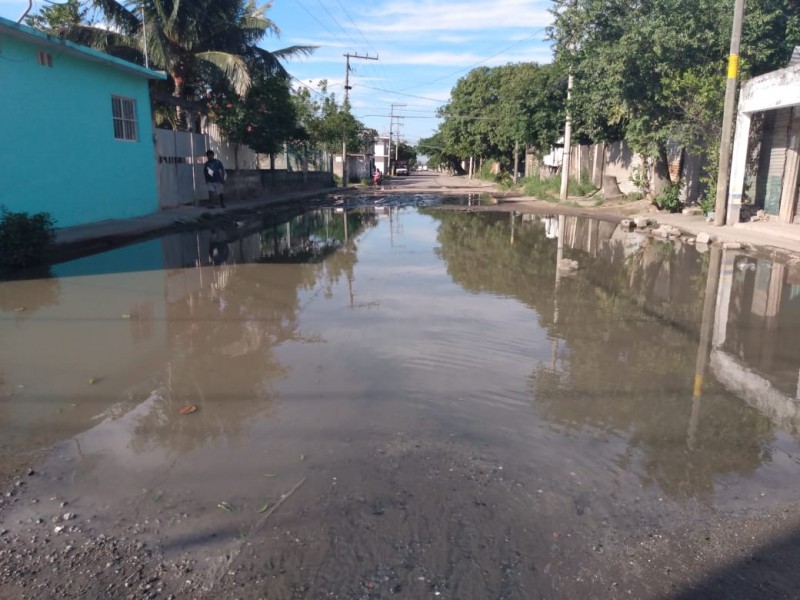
x=409, y=520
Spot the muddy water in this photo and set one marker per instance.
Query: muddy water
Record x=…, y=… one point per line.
x=412, y=401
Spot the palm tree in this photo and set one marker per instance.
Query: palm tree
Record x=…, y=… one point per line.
x=200, y=44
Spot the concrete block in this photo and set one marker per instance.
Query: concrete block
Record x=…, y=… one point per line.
x=704, y=238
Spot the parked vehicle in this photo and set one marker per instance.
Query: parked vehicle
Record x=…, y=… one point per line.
x=401, y=168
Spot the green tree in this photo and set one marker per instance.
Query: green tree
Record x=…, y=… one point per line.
x=650, y=72
x=326, y=124
x=263, y=120
x=59, y=18
x=492, y=111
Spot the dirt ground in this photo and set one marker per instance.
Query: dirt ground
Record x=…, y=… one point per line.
x=394, y=537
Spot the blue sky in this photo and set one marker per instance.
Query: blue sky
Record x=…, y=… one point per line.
x=424, y=47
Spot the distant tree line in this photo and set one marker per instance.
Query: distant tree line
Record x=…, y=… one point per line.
x=646, y=72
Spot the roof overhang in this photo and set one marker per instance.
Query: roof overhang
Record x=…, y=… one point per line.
x=56, y=44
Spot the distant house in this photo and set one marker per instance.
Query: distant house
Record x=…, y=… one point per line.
x=77, y=137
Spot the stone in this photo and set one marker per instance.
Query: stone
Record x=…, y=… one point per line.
x=732, y=246
x=567, y=264
x=693, y=211
x=626, y=223
x=703, y=238
x=701, y=248
x=642, y=222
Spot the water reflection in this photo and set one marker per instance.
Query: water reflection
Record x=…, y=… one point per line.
x=640, y=357
x=624, y=333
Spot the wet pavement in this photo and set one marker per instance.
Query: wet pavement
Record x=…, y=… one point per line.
x=391, y=399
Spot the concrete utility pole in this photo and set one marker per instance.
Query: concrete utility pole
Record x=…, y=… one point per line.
x=724, y=171
x=347, y=89
x=397, y=145
x=567, y=145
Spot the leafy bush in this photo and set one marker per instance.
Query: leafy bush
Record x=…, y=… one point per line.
x=707, y=204
x=337, y=180
x=670, y=198
x=24, y=239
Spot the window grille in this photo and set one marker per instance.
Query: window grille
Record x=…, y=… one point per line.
x=45, y=59
x=124, y=112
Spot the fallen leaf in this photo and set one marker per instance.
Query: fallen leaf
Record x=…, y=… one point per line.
x=19, y=309
x=264, y=508
x=302, y=457
x=270, y=474
x=124, y=316
x=188, y=409
x=93, y=380
x=225, y=506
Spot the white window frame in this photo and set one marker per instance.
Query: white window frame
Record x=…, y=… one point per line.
x=123, y=111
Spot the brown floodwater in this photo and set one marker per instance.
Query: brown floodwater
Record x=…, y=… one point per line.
x=408, y=400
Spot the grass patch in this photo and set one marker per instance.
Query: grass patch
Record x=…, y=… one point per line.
x=549, y=188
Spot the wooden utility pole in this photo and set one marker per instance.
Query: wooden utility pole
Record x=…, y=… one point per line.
x=347, y=89
x=724, y=171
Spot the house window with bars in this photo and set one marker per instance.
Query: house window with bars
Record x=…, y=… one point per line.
x=124, y=112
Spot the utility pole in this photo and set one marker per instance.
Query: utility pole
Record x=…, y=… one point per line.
x=391, y=128
x=347, y=89
x=724, y=171
x=567, y=145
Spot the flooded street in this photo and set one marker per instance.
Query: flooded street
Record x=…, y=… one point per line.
x=405, y=400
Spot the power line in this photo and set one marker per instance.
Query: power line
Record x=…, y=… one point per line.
x=401, y=94
x=488, y=58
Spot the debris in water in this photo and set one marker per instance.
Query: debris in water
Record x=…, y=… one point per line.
x=270, y=474
x=225, y=506
x=19, y=309
x=188, y=409
x=93, y=380
x=264, y=508
x=302, y=457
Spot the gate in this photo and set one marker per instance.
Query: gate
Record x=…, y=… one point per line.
x=179, y=167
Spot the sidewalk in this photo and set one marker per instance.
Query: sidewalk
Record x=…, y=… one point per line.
x=765, y=234
x=120, y=229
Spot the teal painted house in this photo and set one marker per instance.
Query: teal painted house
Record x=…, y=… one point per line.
x=76, y=137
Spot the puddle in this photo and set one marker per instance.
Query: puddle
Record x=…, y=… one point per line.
x=411, y=384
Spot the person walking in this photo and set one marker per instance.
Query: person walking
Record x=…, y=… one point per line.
x=214, y=172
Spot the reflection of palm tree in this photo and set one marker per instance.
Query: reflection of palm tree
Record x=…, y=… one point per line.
x=223, y=355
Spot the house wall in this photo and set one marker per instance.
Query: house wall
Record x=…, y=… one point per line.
x=58, y=152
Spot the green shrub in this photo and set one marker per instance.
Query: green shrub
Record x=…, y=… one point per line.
x=550, y=187
x=670, y=198
x=707, y=204
x=337, y=180
x=24, y=239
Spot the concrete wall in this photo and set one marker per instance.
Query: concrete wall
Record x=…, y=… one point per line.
x=249, y=183
x=622, y=163
x=58, y=151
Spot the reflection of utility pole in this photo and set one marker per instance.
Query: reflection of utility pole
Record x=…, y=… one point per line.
x=347, y=89
x=513, y=225
x=703, y=349
x=559, y=256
